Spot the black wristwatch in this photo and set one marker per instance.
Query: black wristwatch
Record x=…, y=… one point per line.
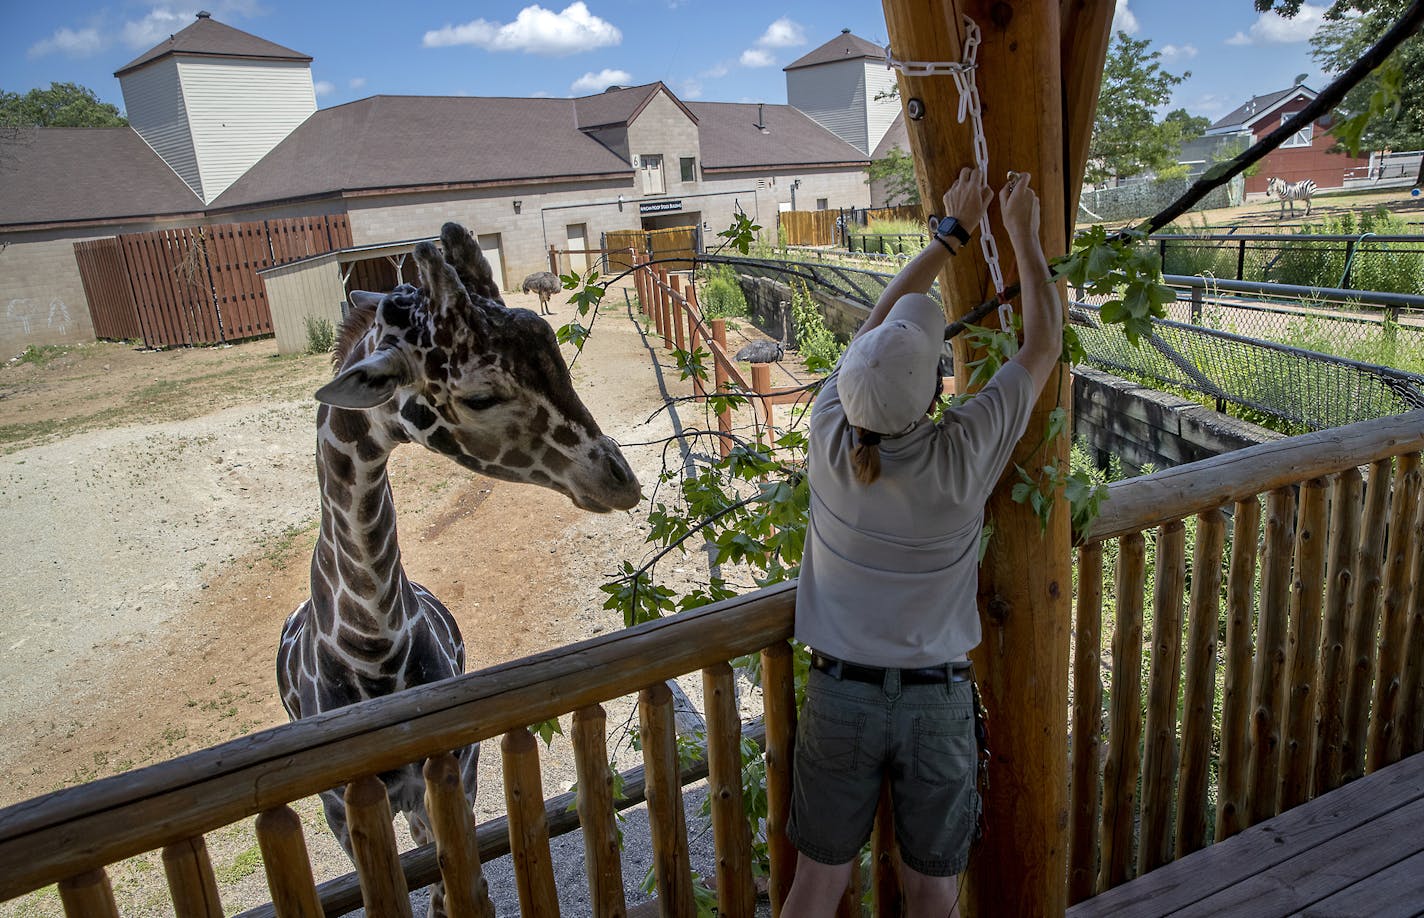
x=947, y=227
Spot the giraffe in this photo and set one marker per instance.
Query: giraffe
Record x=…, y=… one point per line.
x=448, y=366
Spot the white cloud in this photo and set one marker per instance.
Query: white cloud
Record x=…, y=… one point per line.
x=534, y=31
x=756, y=57
x=159, y=23
x=324, y=87
x=1274, y=29
x=73, y=42
x=1124, y=20
x=597, y=82
x=1179, y=52
x=783, y=33
x=356, y=82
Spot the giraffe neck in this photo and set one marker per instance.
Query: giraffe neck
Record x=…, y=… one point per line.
x=360, y=591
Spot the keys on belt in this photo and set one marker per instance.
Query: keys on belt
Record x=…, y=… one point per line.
x=925, y=675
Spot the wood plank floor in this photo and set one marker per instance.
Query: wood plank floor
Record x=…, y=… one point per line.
x=1357, y=851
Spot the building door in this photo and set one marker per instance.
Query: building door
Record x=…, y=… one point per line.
x=652, y=168
x=578, y=242
x=489, y=244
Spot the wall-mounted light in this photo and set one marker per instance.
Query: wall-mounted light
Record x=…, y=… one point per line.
x=517, y=204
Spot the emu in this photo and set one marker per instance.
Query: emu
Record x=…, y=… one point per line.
x=546, y=284
x=770, y=351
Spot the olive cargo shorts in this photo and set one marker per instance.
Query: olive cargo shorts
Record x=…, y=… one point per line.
x=850, y=735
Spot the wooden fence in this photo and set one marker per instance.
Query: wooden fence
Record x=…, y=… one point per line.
x=196, y=285
x=824, y=227
x=1331, y=599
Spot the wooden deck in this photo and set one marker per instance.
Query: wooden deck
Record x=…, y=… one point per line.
x=1357, y=851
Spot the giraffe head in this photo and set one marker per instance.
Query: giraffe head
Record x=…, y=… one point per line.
x=448, y=366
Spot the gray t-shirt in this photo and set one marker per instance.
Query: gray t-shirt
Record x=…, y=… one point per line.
x=891, y=569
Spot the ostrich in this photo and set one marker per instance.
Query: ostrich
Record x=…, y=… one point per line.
x=770, y=351
x=546, y=284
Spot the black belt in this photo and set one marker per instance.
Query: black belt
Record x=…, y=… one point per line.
x=927, y=675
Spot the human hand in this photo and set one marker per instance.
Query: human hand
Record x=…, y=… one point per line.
x=968, y=198
x=1019, y=205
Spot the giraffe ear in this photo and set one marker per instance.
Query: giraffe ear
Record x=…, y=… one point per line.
x=369, y=382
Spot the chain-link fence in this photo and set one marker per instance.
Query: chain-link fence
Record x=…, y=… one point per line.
x=1310, y=358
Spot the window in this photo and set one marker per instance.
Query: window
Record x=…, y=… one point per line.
x=823, y=203
x=652, y=169
x=689, y=168
x=1301, y=138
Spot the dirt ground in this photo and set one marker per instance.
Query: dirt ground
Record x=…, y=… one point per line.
x=160, y=514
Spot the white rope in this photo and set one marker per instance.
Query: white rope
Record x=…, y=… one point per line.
x=963, y=74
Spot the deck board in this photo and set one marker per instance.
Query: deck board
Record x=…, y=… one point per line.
x=1262, y=855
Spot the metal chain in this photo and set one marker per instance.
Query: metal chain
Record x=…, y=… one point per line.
x=963, y=74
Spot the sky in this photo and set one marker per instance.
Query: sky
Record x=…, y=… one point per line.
x=727, y=51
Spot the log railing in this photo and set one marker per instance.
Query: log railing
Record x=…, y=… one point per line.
x=1330, y=691
x=1317, y=596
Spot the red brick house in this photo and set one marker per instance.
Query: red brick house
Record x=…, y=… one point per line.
x=1303, y=156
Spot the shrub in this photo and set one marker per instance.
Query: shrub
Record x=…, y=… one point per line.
x=321, y=335
x=720, y=296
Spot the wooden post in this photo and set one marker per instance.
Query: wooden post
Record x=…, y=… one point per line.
x=190, y=879
x=1360, y=648
x=1268, y=674
x=373, y=848
x=1236, y=686
x=1307, y=599
x=596, y=815
x=1120, y=771
x=1394, y=614
x=736, y=896
x=668, y=825
x=1345, y=512
x=886, y=886
x=1025, y=607
x=761, y=408
x=677, y=311
x=1200, y=692
x=1085, y=793
x=719, y=377
x=1411, y=730
x=528, y=831
x=284, y=857
x=88, y=895
x=453, y=824
x=779, y=694
x=1160, y=754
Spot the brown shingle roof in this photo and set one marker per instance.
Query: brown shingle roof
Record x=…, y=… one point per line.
x=404, y=141
x=843, y=47
x=210, y=38
x=731, y=139
x=50, y=175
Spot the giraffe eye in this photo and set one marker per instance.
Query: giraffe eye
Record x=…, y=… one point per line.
x=480, y=402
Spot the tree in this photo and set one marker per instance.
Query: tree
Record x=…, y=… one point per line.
x=62, y=105
x=1127, y=138
x=897, y=171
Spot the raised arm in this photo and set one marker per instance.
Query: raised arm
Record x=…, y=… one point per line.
x=1042, y=312
x=966, y=201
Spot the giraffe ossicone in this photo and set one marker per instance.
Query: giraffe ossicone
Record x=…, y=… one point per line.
x=448, y=366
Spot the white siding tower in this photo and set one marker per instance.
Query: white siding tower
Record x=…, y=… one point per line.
x=837, y=85
x=213, y=100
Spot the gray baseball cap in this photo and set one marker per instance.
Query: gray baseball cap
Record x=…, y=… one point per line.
x=888, y=374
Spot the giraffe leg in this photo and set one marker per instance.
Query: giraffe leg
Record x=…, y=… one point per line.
x=334, y=803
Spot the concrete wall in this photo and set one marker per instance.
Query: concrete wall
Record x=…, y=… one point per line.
x=41, y=297
x=1142, y=426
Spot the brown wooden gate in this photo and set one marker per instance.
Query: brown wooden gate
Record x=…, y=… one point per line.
x=196, y=285
x=106, y=287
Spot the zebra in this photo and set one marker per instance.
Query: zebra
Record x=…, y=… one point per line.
x=1290, y=192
